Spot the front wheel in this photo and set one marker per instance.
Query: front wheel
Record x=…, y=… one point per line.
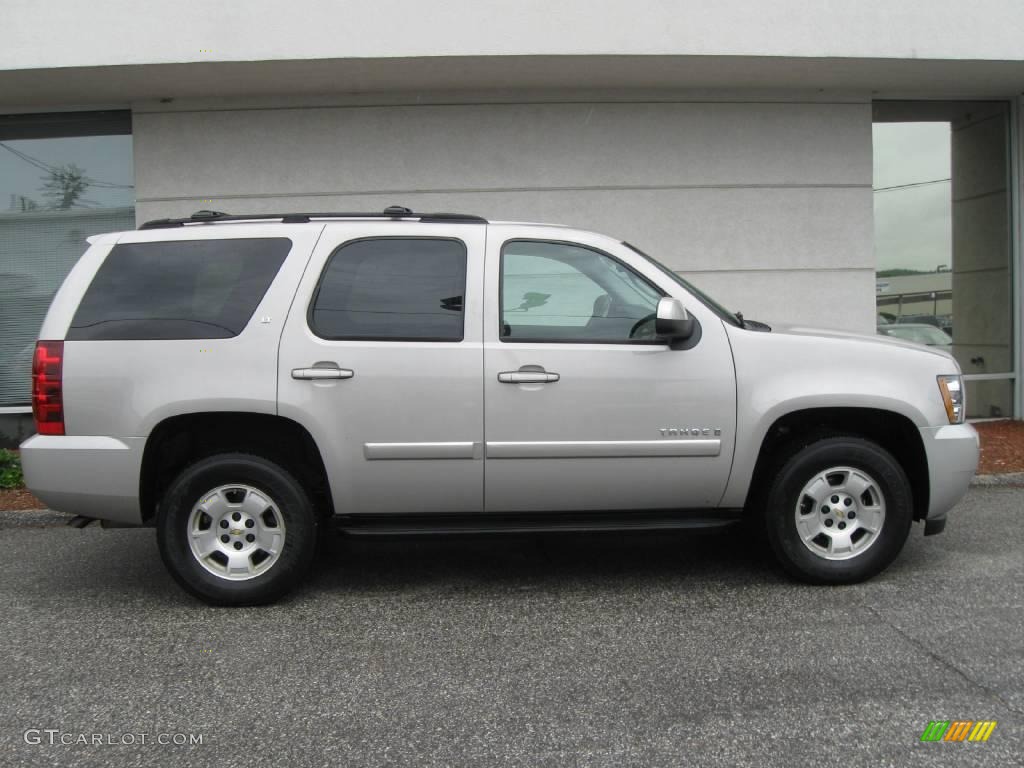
x=839, y=511
x=236, y=529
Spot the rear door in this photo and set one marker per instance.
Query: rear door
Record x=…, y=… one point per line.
x=381, y=360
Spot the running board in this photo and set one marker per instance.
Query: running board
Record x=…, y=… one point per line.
x=475, y=523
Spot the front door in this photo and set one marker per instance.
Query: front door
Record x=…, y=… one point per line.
x=585, y=409
x=380, y=362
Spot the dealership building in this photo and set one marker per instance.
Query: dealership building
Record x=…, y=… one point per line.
x=826, y=164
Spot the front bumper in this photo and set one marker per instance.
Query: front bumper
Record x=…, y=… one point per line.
x=952, y=452
x=89, y=476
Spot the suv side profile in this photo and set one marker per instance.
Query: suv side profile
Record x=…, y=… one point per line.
x=237, y=382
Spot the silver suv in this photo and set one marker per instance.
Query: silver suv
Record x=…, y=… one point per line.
x=239, y=381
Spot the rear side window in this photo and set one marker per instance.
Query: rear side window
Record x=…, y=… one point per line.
x=184, y=289
x=392, y=289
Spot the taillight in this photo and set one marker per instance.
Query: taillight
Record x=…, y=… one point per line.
x=47, y=394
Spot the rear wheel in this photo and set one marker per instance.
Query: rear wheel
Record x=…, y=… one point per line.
x=839, y=511
x=236, y=529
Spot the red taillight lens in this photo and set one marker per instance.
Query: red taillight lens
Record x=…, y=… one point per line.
x=47, y=394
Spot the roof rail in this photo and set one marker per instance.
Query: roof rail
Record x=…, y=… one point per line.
x=391, y=212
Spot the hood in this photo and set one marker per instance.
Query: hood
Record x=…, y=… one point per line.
x=832, y=333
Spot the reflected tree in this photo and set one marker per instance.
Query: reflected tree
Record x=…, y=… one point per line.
x=64, y=186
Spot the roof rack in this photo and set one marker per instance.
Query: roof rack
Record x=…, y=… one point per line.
x=391, y=212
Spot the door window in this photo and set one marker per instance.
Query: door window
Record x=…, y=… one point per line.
x=562, y=292
x=392, y=289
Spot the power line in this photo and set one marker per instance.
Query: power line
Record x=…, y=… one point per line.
x=42, y=166
x=910, y=186
x=30, y=160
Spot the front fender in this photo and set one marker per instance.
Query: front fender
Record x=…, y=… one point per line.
x=781, y=374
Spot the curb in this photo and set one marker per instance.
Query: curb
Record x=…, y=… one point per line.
x=32, y=518
x=1010, y=479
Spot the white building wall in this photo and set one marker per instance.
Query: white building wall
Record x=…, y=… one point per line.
x=767, y=206
x=71, y=33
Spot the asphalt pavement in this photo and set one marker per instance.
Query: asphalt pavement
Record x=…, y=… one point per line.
x=657, y=649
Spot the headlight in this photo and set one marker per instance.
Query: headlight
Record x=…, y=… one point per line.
x=952, y=389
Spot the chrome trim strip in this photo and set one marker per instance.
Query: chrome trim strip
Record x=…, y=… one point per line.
x=602, y=449
x=378, y=451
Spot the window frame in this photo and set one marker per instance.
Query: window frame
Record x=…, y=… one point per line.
x=545, y=241
x=65, y=125
x=428, y=339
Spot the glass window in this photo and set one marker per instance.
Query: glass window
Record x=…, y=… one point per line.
x=922, y=333
x=63, y=177
x=392, y=289
x=943, y=241
x=183, y=289
x=563, y=292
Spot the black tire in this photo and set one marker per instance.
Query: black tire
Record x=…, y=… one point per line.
x=300, y=524
x=785, y=493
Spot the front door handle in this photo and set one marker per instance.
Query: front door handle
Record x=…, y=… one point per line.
x=527, y=377
x=319, y=374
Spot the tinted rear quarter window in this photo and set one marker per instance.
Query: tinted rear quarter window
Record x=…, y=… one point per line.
x=392, y=289
x=182, y=289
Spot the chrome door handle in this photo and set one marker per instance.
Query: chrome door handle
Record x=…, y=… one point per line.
x=318, y=374
x=527, y=377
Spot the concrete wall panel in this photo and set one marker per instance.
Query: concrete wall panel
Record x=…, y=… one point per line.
x=981, y=239
x=827, y=298
x=499, y=146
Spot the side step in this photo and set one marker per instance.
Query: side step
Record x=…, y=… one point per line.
x=446, y=524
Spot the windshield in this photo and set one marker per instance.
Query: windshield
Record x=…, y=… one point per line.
x=704, y=299
x=922, y=334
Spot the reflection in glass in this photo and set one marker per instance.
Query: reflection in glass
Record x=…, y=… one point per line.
x=54, y=192
x=942, y=236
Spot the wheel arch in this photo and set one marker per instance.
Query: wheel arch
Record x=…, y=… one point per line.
x=181, y=440
x=893, y=431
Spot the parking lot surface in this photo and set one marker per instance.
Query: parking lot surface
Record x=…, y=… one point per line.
x=660, y=649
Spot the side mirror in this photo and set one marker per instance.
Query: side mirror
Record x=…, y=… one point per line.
x=673, y=322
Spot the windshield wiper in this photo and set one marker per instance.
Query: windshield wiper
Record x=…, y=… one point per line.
x=739, y=319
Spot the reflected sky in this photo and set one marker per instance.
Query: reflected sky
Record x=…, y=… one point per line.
x=913, y=224
x=107, y=160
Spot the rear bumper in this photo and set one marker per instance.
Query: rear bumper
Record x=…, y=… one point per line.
x=89, y=476
x=952, y=453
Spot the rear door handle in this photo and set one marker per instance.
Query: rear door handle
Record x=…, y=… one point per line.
x=319, y=374
x=527, y=377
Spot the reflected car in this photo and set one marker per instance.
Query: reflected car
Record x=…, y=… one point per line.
x=945, y=322
x=919, y=333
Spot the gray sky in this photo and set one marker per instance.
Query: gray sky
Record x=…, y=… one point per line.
x=913, y=226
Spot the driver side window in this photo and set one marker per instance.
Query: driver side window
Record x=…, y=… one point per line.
x=559, y=292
